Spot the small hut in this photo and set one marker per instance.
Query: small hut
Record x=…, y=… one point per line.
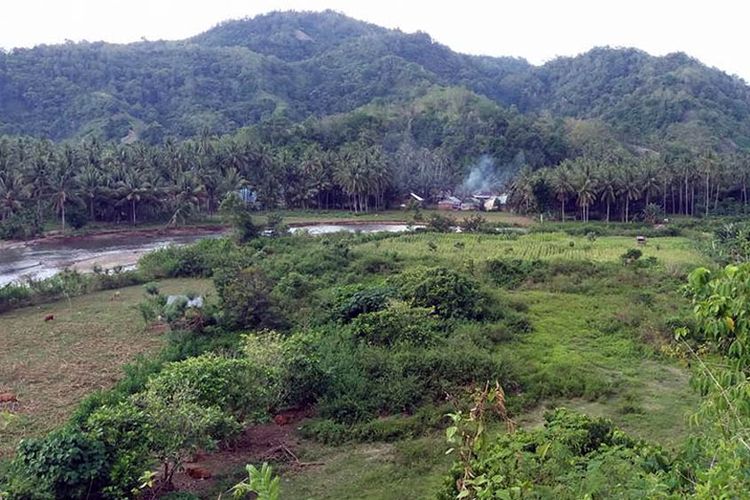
x=449, y=203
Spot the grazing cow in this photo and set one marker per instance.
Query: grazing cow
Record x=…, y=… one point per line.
x=8, y=397
x=49, y=317
x=198, y=472
x=281, y=420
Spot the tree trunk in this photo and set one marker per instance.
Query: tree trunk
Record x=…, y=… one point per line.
x=62, y=213
x=672, y=190
x=132, y=205
x=692, y=199
x=607, y=211
x=563, y=209
x=708, y=195
x=627, y=208
x=716, y=198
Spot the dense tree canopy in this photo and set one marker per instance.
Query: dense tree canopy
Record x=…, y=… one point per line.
x=296, y=65
x=317, y=110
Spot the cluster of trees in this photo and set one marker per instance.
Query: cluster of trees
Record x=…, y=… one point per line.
x=644, y=186
x=297, y=65
x=363, y=160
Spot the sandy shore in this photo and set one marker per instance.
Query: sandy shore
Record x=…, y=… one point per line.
x=55, y=238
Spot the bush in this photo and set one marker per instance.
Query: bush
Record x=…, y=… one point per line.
x=395, y=325
x=511, y=273
x=351, y=301
x=441, y=223
x=246, y=299
x=537, y=463
x=68, y=463
x=303, y=378
x=242, y=387
x=473, y=223
x=239, y=215
x=125, y=432
x=631, y=256
x=450, y=293
x=20, y=226
x=368, y=381
x=198, y=260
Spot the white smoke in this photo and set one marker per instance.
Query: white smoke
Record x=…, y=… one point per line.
x=486, y=177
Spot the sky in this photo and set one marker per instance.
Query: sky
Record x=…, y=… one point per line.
x=713, y=31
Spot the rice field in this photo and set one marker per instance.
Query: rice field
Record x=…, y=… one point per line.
x=673, y=251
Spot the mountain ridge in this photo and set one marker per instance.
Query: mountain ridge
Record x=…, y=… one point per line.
x=300, y=65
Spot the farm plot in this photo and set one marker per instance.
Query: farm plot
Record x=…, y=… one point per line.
x=457, y=248
x=52, y=365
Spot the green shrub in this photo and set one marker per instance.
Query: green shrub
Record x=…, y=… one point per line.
x=450, y=293
x=397, y=324
x=512, y=272
x=304, y=379
x=631, y=256
x=539, y=463
x=68, y=462
x=239, y=386
x=473, y=223
x=326, y=431
x=180, y=425
x=246, y=299
x=351, y=301
x=441, y=223
x=125, y=432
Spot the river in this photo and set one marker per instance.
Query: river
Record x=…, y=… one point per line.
x=44, y=258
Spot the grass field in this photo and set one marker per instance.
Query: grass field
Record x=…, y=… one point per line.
x=52, y=365
x=340, y=216
x=643, y=393
x=595, y=335
x=598, y=341
x=457, y=248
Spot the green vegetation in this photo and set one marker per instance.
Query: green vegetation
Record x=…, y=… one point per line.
x=53, y=365
x=545, y=352
x=293, y=113
x=372, y=331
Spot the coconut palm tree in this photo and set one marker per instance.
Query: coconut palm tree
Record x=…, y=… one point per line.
x=522, y=189
x=584, y=184
x=90, y=182
x=14, y=191
x=63, y=187
x=629, y=188
x=132, y=188
x=609, y=186
x=185, y=197
x=649, y=177
x=562, y=185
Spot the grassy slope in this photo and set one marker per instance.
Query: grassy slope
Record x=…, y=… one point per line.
x=642, y=392
x=52, y=365
x=580, y=335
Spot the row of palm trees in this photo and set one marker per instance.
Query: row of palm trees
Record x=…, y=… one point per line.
x=172, y=182
x=686, y=185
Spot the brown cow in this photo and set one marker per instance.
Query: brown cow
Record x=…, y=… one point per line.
x=281, y=419
x=8, y=397
x=198, y=472
x=49, y=317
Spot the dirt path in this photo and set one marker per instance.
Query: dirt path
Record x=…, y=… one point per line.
x=276, y=441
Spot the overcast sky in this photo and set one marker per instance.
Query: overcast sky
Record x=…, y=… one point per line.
x=714, y=31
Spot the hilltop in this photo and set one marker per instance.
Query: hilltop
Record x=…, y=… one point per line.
x=298, y=65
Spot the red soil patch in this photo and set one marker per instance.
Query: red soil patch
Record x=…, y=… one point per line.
x=269, y=442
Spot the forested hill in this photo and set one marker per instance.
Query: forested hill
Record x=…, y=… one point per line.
x=292, y=66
